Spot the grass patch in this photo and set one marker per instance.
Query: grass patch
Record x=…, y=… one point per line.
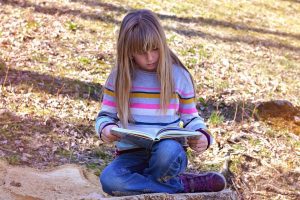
x=211, y=167
x=85, y=60
x=39, y=57
x=236, y=164
x=216, y=118
x=31, y=25
x=96, y=168
x=72, y=26
x=102, y=154
x=203, y=101
x=14, y=160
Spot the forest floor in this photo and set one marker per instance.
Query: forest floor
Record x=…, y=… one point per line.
x=56, y=55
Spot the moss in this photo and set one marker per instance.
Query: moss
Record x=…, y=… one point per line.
x=14, y=160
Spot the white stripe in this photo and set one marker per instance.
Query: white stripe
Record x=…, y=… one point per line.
x=152, y=112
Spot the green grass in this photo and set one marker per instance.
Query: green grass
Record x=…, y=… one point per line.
x=85, y=60
x=72, y=26
x=13, y=160
x=216, y=118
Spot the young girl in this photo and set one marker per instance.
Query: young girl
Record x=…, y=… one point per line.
x=149, y=89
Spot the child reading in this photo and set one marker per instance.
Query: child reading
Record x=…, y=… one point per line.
x=150, y=89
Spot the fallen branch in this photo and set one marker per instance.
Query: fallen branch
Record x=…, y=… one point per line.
x=7, y=150
x=275, y=189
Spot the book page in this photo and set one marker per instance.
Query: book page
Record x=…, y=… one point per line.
x=176, y=132
x=123, y=132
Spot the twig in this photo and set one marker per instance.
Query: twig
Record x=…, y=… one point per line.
x=243, y=111
x=254, y=111
x=281, y=191
x=7, y=150
x=235, y=113
x=236, y=189
x=60, y=89
x=6, y=74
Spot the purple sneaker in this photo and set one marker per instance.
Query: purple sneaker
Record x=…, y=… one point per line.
x=207, y=182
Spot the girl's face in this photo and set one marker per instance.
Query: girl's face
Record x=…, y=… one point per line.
x=148, y=60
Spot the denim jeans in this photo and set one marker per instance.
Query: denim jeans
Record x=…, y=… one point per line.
x=146, y=171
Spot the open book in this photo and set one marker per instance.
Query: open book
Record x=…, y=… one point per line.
x=143, y=139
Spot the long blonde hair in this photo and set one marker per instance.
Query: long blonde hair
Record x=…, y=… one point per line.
x=141, y=31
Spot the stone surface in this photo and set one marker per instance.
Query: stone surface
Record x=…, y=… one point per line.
x=223, y=195
x=64, y=182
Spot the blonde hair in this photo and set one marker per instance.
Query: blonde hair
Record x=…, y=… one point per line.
x=140, y=32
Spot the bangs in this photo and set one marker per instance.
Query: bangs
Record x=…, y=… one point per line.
x=143, y=38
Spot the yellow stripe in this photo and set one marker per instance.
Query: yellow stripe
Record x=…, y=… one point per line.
x=141, y=95
x=186, y=101
x=108, y=92
x=146, y=95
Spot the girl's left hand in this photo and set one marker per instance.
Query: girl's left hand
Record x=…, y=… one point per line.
x=198, y=143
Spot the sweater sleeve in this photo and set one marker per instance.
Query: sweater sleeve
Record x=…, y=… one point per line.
x=187, y=106
x=108, y=112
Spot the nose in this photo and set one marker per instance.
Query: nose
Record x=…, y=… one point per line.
x=149, y=56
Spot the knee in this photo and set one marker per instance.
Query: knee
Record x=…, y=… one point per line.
x=111, y=181
x=169, y=151
x=106, y=181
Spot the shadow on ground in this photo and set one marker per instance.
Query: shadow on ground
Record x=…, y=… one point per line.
x=187, y=31
x=37, y=82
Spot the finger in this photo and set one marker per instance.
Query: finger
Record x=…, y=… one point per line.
x=104, y=138
x=113, y=137
x=194, y=137
x=199, y=149
x=197, y=144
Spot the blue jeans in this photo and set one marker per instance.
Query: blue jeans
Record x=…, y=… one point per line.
x=146, y=171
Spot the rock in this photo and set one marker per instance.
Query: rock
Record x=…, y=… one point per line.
x=64, y=182
x=277, y=108
x=223, y=195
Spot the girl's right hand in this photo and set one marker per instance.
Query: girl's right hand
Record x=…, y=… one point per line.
x=107, y=136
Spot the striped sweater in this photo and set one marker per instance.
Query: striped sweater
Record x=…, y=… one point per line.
x=145, y=105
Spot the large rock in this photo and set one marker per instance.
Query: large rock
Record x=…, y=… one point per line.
x=223, y=195
x=65, y=182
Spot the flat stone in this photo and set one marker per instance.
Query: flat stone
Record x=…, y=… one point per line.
x=223, y=195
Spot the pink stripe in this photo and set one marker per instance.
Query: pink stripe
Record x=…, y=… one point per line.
x=109, y=103
x=152, y=106
x=141, y=105
x=188, y=111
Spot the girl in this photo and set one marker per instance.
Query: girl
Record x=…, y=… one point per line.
x=149, y=89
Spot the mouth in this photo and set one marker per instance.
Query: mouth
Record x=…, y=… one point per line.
x=151, y=64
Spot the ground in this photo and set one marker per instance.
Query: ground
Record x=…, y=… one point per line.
x=56, y=55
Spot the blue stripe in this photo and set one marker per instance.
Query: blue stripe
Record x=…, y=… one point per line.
x=190, y=121
x=159, y=124
x=143, y=92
